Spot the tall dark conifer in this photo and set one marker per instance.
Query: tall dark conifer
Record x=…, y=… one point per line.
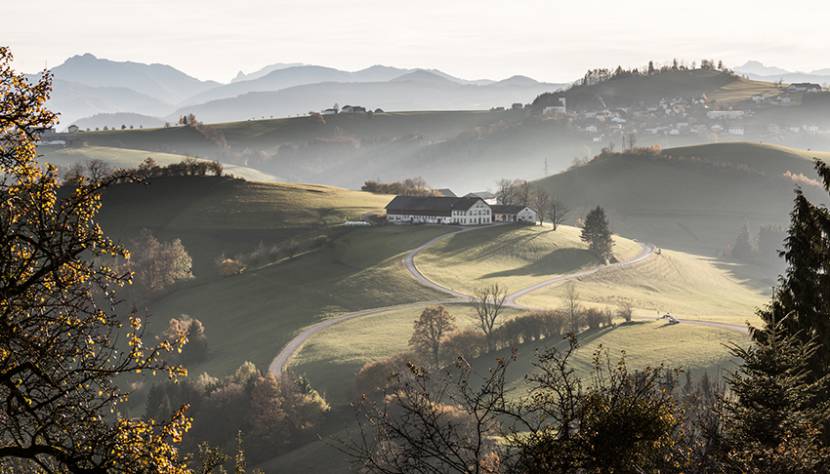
x=597, y=234
x=802, y=300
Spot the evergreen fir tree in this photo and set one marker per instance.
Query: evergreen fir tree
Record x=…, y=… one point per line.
x=597, y=235
x=776, y=418
x=802, y=300
x=742, y=249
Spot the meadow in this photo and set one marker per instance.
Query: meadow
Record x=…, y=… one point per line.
x=514, y=257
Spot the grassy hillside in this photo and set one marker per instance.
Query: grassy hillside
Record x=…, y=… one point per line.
x=331, y=359
x=252, y=315
x=693, y=198
x=696, y=349
x=686, y=285
x=514, y=257
x=131, y=158
x=215, y=216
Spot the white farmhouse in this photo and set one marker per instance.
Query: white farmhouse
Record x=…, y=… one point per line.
x=438, y=210
x=506, y=213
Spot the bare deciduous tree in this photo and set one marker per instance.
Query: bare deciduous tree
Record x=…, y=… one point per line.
x=97, y=170
x=625, y=309
x=558, y=212
x=572, y=307
x=504, y=192
x=489, y=303
x=541, y=203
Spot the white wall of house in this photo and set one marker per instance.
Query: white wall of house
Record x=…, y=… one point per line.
x=479, y=213
x=527, y=215
x=418, y=219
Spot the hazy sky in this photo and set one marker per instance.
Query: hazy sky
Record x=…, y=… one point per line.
x=548, y=40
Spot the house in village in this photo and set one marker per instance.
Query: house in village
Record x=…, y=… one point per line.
x=804, y=87
x=519, y=214
x=438, y=210
x=353, y=109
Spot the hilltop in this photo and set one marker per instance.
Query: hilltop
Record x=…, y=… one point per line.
x=695, y=197
x=628, y=89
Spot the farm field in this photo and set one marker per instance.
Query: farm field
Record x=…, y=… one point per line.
x=514, y=257
x=688, y=286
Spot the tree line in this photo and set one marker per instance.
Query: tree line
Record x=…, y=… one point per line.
x=97, y=170
x=408, y=187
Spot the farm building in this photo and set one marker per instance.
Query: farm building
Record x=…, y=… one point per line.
x=438, y=210
x=502, y=213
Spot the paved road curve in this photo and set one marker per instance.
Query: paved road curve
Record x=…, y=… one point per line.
x=280, y=362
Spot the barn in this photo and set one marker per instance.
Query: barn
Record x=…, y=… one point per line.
x=438, y=210
x=519, y=214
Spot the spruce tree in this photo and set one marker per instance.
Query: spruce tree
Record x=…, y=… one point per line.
x=776, y=416
x=802, y=300
x=597, y=235
x=742, y=249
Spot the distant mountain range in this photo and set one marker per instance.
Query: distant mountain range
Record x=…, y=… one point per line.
x=96, y=92
x=761, y=72
x=416, y=90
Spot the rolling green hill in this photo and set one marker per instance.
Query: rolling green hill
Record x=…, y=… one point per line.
x=252, y=315
x=131, y=158
x=719, y=86
x=513, y=257
x=692, y=198
x=215, y=216
x=462, y=149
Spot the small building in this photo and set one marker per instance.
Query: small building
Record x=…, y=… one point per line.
x=352, y=109
x=725, y=114
x=486, y=196
x=445, y=192
x=329, y=112
x=73, y=129
x=518, y=214
x=804, y=87
x=438, y=210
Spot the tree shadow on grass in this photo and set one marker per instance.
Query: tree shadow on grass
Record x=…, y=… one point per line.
x=559, y=261
x=461, y=242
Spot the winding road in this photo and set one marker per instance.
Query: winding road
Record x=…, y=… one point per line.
x=280, y=363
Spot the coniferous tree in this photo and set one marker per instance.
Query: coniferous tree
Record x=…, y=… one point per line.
x=802, y=300
x=597, y=234
x=776, y=419
x=742, y=249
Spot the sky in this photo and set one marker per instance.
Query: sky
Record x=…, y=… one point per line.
x=553, y=41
